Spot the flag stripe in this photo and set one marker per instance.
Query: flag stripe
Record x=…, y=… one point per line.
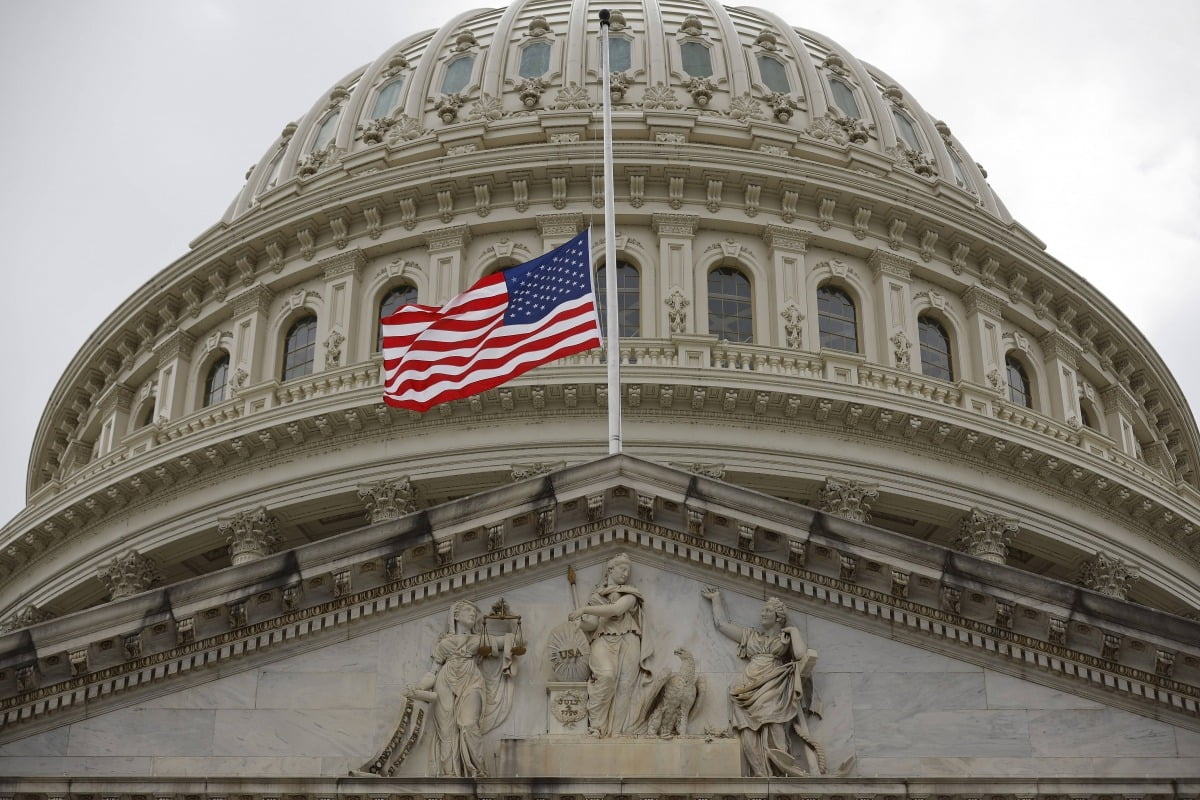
x=504, y=325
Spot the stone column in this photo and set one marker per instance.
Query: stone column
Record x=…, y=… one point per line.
x=388, y=499
x=788, y=298
x=249, y=335
x=1108, y=575
x=251, y=534
x=342, y=273
x=127, y=574
x=985, y=346
x=174, y=355
x=446, y=246
x=676, y=281
x=986, y=535
x=1118, y=413
x=1061, y=357
x=897, y=325
x=847, y=499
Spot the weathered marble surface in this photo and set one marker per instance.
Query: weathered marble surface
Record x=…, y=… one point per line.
x=890, y=709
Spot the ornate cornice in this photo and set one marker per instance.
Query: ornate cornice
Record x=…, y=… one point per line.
x=255, y=300
x=454, y=237
x=176, y=344
x=350, y=262
x=679, y=226
x=792, y=240
x=560, y=225
x=885, y=263
x=980, y=300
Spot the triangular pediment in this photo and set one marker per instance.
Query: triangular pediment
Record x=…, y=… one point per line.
x=925, y=659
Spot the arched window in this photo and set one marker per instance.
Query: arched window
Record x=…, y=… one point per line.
x=387, y=99
x=272, y=175
x=535, y=60
x=1020, y=390
x=837, y=319
x=620, y=58
x=697, y=61
x=216, y=381
x=906, y=131
x=394, y=299
x=730, y=315
x=147, y=418
x=935, y=349
x=774, y=74
x=458, y=74
x=843, y=97
x=326, y=132
x=629, y=300
x=960, y=173
x=300, y=348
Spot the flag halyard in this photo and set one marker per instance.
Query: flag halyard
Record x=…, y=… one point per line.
x=503, y=326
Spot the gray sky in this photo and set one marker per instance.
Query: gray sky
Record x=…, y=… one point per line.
x=129, y=126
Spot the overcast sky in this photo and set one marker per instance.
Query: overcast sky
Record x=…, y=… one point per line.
x=129, y=125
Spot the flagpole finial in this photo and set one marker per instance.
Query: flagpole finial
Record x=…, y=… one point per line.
x=605, y=15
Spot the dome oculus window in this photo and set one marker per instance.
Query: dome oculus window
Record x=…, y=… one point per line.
x=620, y=56
x=906, y=131
x=730, y=316
x=774, y=74
x=300, y=348
x=1020, y=391
x=458, y=74
x=272, y=177
x=697, y=61
x=935, y=349
x=960, y=173
x=388, y=98
x=535, y=60
x=837, y=320
x=216, y=381
x=393, y=300
x=629, y=300
x=325, y=132
x=843, y=97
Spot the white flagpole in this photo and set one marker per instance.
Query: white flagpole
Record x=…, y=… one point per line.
x=610, y=253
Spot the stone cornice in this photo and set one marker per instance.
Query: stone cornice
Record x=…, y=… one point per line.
x=560, y=225
x=350, y=262
x=454, y=237
x=980, y=300
x=174, y=345
x=792, y=240
x=984, y=613
x=677, y=226
x=255, y=300
x=1058, y=345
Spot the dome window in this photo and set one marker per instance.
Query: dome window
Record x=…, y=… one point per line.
x=906, y=131
x=300, y=349
x=388, y=98
x=697, y=61
x=1020, y=390
x=730, y=316
x=960, y=174
x=535, y=60
x=774, y=74
x=392, y=301
x=458, y=74
x=843, y=97
x=272, y=177
x=620, y=57
x=325, y=132
x=837, y=320
x=216, y=381
x=629, y=300
x=935, y=349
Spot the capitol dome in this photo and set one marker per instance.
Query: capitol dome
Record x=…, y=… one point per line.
x=849, y=379
x=821, y=300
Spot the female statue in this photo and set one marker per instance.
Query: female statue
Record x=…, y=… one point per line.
x=614, y=619
x=469, y=697
x=767, y=701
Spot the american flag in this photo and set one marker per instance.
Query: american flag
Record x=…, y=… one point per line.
x=504, y=325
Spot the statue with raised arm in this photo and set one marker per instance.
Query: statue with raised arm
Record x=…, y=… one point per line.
x=614, y=620
x=768, y=703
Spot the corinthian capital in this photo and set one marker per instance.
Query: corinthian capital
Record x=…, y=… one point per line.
x=250, y=534
x=985, y=535
x=388, y=499
x=847, y=499
x=127, y=574
x=1108, y=575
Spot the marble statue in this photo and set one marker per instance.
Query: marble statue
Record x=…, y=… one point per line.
x=768, y=702
x=675, y=699
x=614, y=619
x=469, y=689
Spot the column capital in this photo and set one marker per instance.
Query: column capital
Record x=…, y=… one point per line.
x=986, y=535
x=127, y=574
x=846, y=498
x=250, y=534
x=680, y=226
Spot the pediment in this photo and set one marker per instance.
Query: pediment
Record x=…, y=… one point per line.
x=926, y=661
